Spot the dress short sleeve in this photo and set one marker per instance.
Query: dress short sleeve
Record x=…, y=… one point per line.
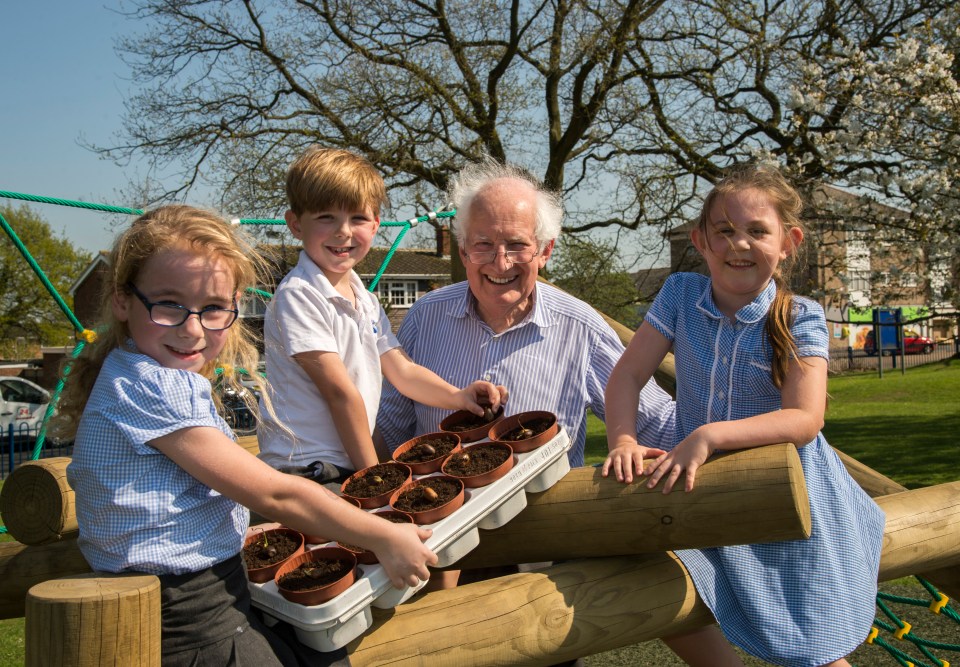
x=160, y=403
x=809, y=329
x=664, y=312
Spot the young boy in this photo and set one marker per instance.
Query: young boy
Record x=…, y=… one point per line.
x=327, y=339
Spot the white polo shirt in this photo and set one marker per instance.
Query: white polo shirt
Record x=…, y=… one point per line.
x=306, y=314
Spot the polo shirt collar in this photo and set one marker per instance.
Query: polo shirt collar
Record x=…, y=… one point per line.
x=320, y=281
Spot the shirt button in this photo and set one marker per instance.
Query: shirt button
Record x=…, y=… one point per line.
x=486, y=377
x=724, y=359
x=720, y=395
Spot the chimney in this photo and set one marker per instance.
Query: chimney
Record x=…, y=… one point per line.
x=443, y=241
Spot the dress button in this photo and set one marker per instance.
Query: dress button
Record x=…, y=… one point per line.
x=720, y=395
x=487, y=377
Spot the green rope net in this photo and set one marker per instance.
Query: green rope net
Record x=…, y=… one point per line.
x=899, y=630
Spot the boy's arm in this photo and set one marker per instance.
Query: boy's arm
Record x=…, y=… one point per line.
x=636, y=367
x=424, y=386
x=347, y=408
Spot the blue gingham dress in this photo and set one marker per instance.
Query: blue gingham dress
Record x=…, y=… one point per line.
x=800, y=602
x=136, y=509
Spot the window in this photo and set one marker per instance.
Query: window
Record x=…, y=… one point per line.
x=397, y=292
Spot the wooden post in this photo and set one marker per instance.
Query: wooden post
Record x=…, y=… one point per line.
x=37, y=504
x=90, y=620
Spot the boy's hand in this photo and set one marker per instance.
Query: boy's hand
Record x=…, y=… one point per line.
x=404, y=556
x=479, y=396
x=626, y=460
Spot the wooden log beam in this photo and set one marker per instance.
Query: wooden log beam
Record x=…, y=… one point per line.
x=37, y=503
x=538, y=618
x=587, y=515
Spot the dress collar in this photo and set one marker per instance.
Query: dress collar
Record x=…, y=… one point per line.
x=749, y=314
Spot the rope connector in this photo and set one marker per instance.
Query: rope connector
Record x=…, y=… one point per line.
x=432, y=215
x=234, y=221
x=937, y=605
x=87, y=336
x=905, y=630
x=413, y=222
x=874, y=631
x=226, y=370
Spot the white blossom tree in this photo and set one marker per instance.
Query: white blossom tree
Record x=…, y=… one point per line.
x=631, y=108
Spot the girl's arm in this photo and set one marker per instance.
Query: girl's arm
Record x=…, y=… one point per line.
x=424, y=386
x=215, y=460
x=634, y=369
x=347, y=408
x=799, y=420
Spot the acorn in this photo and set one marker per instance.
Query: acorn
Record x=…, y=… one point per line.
x=427, y=449
x=487, y=414
x=430, y=493
x=376, y=479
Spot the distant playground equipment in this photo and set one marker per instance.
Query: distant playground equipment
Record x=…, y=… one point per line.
x=628, y=589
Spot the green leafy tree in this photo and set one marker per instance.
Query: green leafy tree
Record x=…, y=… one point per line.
x=593, y=271
x=27, y=309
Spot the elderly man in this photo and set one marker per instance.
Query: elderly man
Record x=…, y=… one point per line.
x=552, y=351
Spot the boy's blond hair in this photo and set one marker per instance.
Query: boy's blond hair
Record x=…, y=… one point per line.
x=323, y=178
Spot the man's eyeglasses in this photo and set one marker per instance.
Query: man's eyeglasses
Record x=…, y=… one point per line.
x=173, y=314
x=512, y=256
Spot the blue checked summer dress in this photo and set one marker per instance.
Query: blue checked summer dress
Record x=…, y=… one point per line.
x=800, y=602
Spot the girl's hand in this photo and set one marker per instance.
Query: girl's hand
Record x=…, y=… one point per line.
x=480, y=396
x=689, y=455
x=404, y=556
x=627, y=460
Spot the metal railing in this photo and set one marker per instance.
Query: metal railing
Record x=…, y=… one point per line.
x=849, y=359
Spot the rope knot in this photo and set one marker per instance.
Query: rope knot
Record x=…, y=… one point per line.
x=87, y=336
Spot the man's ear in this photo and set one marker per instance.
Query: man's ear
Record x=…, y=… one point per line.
x=547, y=251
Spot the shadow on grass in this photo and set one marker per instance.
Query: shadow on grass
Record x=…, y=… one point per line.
x=877, y=441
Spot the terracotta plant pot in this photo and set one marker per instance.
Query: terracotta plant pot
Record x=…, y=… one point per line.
x=429, y=514
x=325, y=591
x=469, y=426
x=505, y=430
x=443, y=443
x=374, y=498
x=457, y=466
x=365, y=557
x=319, y=539
x=259, y=575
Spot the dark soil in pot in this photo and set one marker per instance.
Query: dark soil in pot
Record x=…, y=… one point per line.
x=269, y=548
x=527, y=429
x=430, y=493
x=429, y=449
x=315, y=574
x=376, y=481
x=477, y=460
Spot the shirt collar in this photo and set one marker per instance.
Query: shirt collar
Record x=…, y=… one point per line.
x=752, y=312
x=320, y=281
x=539, y=315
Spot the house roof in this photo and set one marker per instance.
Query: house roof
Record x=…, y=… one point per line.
x=99, y=258
x=408, y=263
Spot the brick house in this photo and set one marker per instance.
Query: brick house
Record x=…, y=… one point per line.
x=849, y=273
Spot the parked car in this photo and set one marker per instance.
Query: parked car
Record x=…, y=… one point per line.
x=235, y=410
x=23, y=405
x=913, y=343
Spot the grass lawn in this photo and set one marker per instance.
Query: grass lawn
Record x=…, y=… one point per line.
x=904, y=426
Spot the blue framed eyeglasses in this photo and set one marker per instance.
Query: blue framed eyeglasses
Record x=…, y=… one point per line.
x=173, y=314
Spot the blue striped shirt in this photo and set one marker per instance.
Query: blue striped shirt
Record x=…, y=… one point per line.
x=558, y=359
x=136, y=509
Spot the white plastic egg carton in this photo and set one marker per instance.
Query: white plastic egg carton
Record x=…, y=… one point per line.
x=333, y=624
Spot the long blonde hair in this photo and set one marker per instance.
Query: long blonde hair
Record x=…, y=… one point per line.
x=786, y=200
x=173, y=226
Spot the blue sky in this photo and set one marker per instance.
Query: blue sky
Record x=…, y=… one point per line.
x=61, y=84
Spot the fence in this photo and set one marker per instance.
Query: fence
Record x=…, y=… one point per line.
x=849, y=359
x=17, y=442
